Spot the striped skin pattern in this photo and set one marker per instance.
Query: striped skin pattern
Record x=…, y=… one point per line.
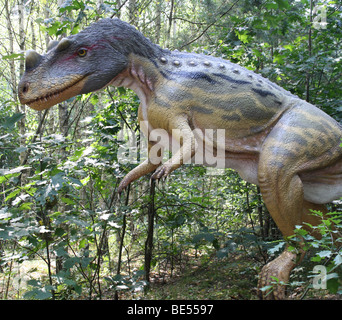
x=216, y=93
x=285, y=145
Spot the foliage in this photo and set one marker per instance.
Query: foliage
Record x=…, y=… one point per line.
x=327, y=250
x=323, y=244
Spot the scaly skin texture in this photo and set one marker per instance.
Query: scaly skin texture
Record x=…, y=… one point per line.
x=280, y=268
x=272, y=138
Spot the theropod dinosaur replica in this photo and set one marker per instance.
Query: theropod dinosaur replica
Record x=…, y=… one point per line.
x=288, y=147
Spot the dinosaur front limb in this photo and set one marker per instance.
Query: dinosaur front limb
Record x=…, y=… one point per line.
x=182, y=133
x=141, y=170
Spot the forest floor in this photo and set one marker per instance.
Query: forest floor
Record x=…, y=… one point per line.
x=202, y=277
x=233, y=278
x=216, y=279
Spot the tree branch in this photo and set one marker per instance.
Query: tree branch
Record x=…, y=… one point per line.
x=210, y=25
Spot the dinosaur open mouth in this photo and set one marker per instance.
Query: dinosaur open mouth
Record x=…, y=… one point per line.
x=59, y=95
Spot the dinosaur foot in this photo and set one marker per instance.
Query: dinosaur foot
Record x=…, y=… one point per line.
x=275, y=275
x=122, y=186
x=162, y=172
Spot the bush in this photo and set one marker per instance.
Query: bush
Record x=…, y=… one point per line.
x=327, y=251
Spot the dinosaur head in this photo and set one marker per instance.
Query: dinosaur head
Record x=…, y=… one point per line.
x=81, y=63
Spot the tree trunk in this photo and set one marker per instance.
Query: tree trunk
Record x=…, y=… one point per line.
x=19, y=108
x=158, y=22
x=21, y=123
x=150, y=229
x=122, y=238
x=132, y=11
x=308, y=77
x=11, y=51
x=170, y=22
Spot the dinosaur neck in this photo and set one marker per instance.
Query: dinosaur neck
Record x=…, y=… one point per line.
x=140, y=75
x=143, y=47
x=134, y=42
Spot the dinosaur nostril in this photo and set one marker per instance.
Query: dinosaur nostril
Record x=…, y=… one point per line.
x=25, y=88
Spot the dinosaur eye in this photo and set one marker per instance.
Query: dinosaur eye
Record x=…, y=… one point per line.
x=82, y=52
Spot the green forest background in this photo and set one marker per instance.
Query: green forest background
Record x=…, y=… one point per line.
x=64, y=234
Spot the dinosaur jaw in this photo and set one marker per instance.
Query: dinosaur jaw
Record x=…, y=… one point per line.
x=58, y=94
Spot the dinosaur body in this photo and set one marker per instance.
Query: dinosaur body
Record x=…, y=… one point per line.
x=272, y=138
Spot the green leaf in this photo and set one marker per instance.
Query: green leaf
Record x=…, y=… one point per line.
x=271, y=5
x=283, y=4
x=289, y=47
x=78, y=289
x=316, y=259
x=5, y=214
x=75, y=181
x=69, y=263
x=338, y=259
x=34, y=282
x=243, y=36
x=85, y=180
x=14, y=55
x=276, y=248
x=60, y=252
x=94, y=99
x=83, y=243
x=59, y=232
x=5, y=172
x=26, y=206
x=57, y=181
x=324, y=254
x=39, y=291
x=12, y=194
x=203, y=236
x=21, y=149
x=68, y=201
x=266, y=288
x=333, y=283
x=11, y=121
x=42, y=294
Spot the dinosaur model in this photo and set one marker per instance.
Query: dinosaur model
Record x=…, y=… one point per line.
x=288, y=147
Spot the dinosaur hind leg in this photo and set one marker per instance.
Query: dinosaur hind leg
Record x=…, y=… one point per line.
x=283, y=196
x=286, y=153
x=282, y=266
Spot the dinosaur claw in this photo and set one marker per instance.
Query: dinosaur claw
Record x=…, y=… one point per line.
x=161, y=173
x=157, y=175
x=122, y=187
x=119, y=191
